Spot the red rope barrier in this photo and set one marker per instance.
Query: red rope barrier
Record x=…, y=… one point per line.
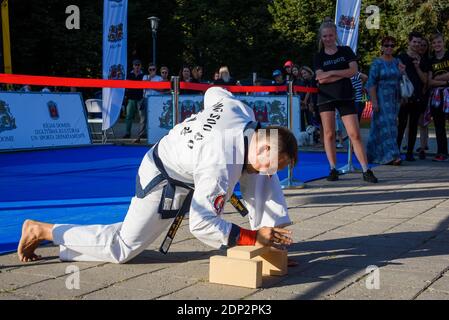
x=80, y=82
x=132, y=84
x=236, y=89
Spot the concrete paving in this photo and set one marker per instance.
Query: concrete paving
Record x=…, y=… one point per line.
x=400, y=226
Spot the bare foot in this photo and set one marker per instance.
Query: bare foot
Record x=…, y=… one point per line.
x=29, y=241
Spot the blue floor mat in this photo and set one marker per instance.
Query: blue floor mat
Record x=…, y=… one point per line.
x=88, y=185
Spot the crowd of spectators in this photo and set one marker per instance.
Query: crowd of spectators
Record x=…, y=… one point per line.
x=394, y=119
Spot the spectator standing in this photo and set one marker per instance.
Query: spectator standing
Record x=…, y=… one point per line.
x=135, y=100
x=384, y=89
x=151, y=76
x=143, y=110
x=278, y=80
x=165, y=73
x=439, y=94
x=425, y=117
x=185, y=75
x=304, y=106
x=288, y=66
x=225, y=77
x=216, y=76
x=357, y=84
x=335, y=65
x=197, y=74
x=308, y=77
x=410, y=110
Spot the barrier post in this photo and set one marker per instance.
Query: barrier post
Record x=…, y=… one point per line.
x=290, y=182
x=349, y=167
x=175, y=98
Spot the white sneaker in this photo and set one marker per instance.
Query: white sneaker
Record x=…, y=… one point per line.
x=339, y=146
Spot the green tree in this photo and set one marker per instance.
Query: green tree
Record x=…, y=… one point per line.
x=298, y=23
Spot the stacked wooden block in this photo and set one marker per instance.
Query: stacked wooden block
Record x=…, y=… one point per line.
x=245, y=265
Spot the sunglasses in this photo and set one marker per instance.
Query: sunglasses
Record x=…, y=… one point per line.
x=389, y=45
x=152, y=69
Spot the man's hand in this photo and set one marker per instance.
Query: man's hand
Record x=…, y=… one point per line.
x=267, y=236
x=401, y=68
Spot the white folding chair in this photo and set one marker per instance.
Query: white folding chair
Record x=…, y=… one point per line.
x=95, y=117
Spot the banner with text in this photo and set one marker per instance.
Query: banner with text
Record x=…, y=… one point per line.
x=115, y=32
x=269, y=110
x=38, y=120
x=347, y=18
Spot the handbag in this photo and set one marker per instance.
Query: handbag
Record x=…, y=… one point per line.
x=406, y=87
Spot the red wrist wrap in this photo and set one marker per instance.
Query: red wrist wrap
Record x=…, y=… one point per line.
x=247, y=237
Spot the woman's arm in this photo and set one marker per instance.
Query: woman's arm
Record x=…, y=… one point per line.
x=346, y=73
x=373, y=95
x=330, y=79
x=364, y=77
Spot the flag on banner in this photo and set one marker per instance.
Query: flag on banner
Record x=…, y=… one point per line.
x=347, y=18
x=115, y=32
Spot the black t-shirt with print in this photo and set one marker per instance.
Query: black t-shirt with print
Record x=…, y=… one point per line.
x=340, y=89
x=413, y=74
x=439, y=66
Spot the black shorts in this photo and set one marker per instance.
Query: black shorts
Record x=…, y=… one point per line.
x=344, y=107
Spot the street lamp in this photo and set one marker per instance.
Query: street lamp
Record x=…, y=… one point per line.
x=154, y=23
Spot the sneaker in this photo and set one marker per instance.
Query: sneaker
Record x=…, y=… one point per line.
x=440, y=158
x=410, y=157
x=339, y=146
x=137, y=140
x=333, y=175
x=422, y=155
x=368, y=176
x=126, y=136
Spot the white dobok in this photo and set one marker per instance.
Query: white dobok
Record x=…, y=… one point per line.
x=207, y=151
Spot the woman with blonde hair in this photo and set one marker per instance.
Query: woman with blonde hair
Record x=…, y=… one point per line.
x=335, y=65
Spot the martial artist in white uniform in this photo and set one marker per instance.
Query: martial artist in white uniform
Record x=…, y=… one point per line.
x=207, y=150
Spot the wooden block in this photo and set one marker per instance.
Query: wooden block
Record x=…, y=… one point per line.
x=235, y=272
x=246, y=252
x=274, y=262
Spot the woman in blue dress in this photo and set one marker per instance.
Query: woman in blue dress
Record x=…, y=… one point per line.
x=383, y=87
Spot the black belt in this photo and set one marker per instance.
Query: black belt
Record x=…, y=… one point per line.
x=168, y=193
x=167, y=199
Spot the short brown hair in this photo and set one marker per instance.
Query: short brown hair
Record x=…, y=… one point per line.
x=388, y=39
x=287, y=143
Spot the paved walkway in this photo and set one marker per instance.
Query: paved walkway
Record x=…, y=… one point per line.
x=400, y=225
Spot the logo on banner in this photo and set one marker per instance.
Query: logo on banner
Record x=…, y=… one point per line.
x=188, y=107
x=7, y=121
x=166, y=118
x=115, y=33
x=260, y=111
x=116, y=72
x=278, y=114
x=266, y=112
x=346, y=22
x=53, y=110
